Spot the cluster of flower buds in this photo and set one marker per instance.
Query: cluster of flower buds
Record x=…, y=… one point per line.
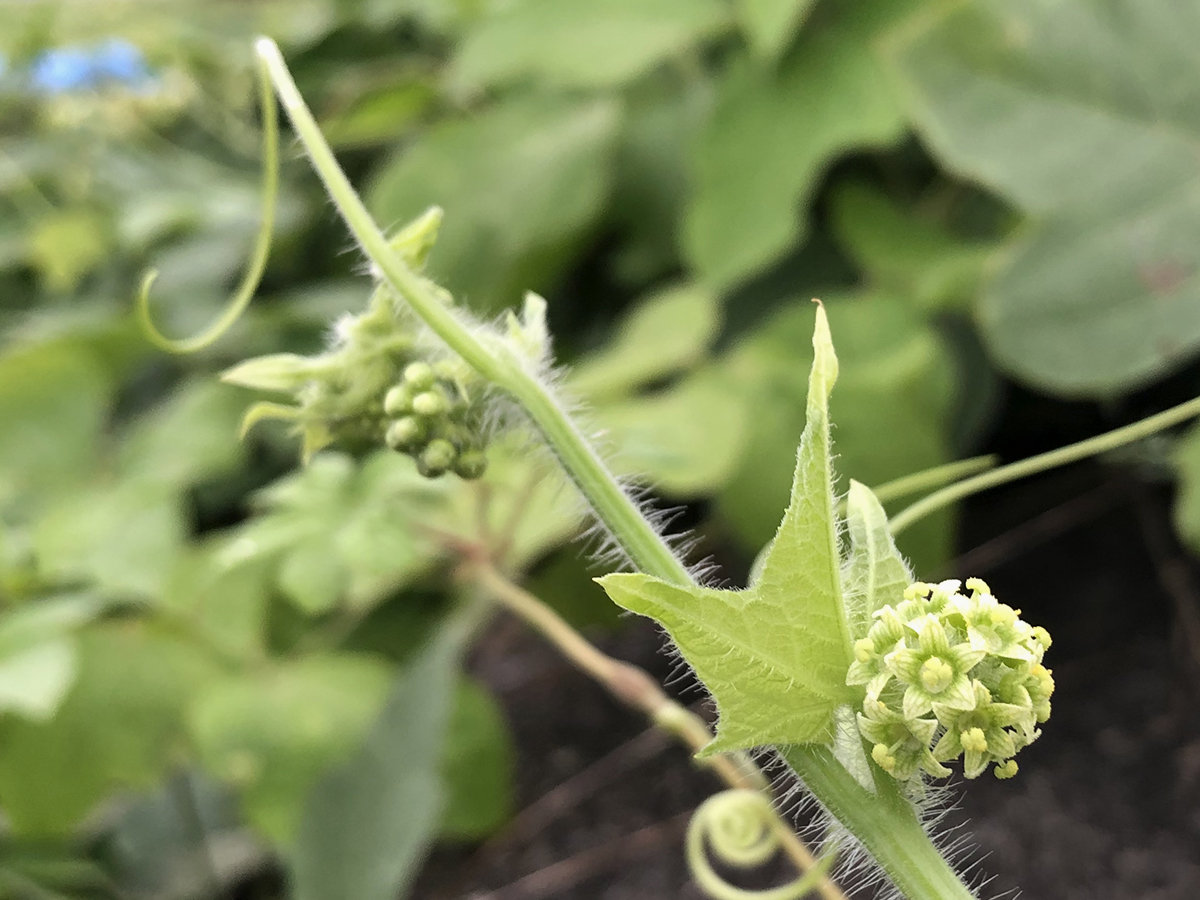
x=950, y=674
x=378, y=384
x=430, y=418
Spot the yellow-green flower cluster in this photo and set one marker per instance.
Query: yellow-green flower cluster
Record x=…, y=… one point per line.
x=378, y=384
x=950, y=674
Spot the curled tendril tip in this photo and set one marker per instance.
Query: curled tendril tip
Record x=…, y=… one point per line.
x=741, y=829
x=262, y=247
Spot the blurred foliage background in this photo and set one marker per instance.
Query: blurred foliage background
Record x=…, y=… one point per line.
x=198, y=634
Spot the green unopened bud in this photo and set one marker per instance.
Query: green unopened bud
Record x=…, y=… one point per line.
x=398, y=401
x=864, y=649
x=430, y=403
x=277, y=372
x=437, y=457
x=470, y=464
x=419, y=376
x=406, y=434
x=1006, y=769
x=414, y=241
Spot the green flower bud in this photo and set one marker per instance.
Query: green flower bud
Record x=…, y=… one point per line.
x=398, y=401
x=278, y=372
x=419, y=376
x=864, y=649
x=437, y=458
x=414, y=241
x=406, y=434
x=470, y=464
x=430, y=403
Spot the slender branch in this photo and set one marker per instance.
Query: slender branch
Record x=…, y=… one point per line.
x=927, y=479
x=1043, y=462
x=635, y=688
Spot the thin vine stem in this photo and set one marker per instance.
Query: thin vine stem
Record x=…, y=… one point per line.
x=1043, y=462
x=632, y=686
x=927, y=479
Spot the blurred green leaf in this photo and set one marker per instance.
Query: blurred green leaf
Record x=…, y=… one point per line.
x=37, y=652
x=220, y=595
x=522, y=183
x=528, y=504
x=774, y=131
x=34, y=871
x=1187, y=501
x=184, y=839
x=312, y=577
x=685, y=440
x=581, y=43
x=662, y=116
x=367, y=824
x=53, y=403
x=381, y=115
x=477, y=765
x=892, y=410
x=193, y=435
x=1084, y=116
x=771, y=24
x=122, y=537
x=666, y=333
x=904, y=253
x=66, y=246
x=274, y=732
x=341, y=532
x=120, y=726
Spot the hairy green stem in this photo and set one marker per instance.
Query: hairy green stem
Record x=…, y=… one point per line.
x=884, y=821
x=616, y=511
x=1044, y=461
x=649, y=552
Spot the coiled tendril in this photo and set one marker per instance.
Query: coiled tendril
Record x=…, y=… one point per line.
x=741, y=829
x=262, y=243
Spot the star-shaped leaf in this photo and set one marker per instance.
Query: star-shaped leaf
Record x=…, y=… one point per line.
x=774, y=655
